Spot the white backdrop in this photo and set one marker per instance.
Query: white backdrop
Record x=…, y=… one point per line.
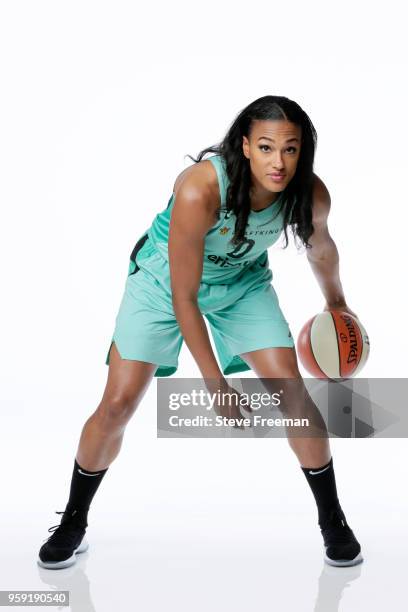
x=100, y=103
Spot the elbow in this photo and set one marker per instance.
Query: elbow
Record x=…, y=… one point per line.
x=326, y=252
x=316, y=257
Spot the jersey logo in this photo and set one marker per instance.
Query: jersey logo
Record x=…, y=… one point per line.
x=224, y=230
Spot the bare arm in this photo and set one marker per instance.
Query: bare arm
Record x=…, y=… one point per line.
x=192, y=217
x=323, y=256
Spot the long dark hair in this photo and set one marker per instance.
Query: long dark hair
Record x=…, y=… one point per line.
x=296, y=199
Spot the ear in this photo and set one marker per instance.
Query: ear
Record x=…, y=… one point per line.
x=245, y=146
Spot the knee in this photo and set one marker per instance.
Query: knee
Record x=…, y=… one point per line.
x=116, y=410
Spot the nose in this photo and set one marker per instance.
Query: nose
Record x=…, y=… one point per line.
x=278, y=162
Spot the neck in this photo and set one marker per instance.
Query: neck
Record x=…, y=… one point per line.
x=261, y=198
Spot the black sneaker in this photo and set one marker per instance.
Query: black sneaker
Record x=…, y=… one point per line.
x=60, y=549
x=342, y=548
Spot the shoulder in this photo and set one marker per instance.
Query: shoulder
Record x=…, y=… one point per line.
x=199, y=181
x=196, y=197
x=321, y=201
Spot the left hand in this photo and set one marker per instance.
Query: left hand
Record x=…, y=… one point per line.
x=342, y=308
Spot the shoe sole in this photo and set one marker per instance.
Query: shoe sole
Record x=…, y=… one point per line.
x=344, y=562
x=66, y=562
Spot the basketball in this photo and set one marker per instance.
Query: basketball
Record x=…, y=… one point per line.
x=333, y=344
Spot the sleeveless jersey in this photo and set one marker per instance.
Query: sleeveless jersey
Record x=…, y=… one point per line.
x=224, y=263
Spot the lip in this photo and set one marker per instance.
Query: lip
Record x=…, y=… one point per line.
x=276, y=177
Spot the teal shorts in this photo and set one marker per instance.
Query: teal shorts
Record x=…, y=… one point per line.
x=243, y=316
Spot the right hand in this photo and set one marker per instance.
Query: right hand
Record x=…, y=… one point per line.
x=228, y=405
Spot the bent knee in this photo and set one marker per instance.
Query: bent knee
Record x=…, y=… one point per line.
x=117, y=408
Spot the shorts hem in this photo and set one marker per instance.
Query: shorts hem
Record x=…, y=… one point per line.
x=233, y=368
x=163, y=369
x=237, y=364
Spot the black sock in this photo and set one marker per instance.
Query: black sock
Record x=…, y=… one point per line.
x=84, y=485
x=323, y=484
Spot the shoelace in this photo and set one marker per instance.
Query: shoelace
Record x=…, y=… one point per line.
x=67, y=531
x=336, y=530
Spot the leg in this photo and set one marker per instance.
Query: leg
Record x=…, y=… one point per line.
x=102, y=434
x=282, y=363
x=342, y=548
x=100, y=442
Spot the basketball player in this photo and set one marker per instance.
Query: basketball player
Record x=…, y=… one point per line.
x=206, y=254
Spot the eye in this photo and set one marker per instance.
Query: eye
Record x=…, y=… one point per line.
x=264, y=148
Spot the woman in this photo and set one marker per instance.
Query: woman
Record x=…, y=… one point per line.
x=206, y=254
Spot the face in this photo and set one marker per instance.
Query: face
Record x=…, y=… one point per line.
x=273, y=150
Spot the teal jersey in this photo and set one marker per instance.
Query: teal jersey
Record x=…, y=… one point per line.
x=223, y=262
